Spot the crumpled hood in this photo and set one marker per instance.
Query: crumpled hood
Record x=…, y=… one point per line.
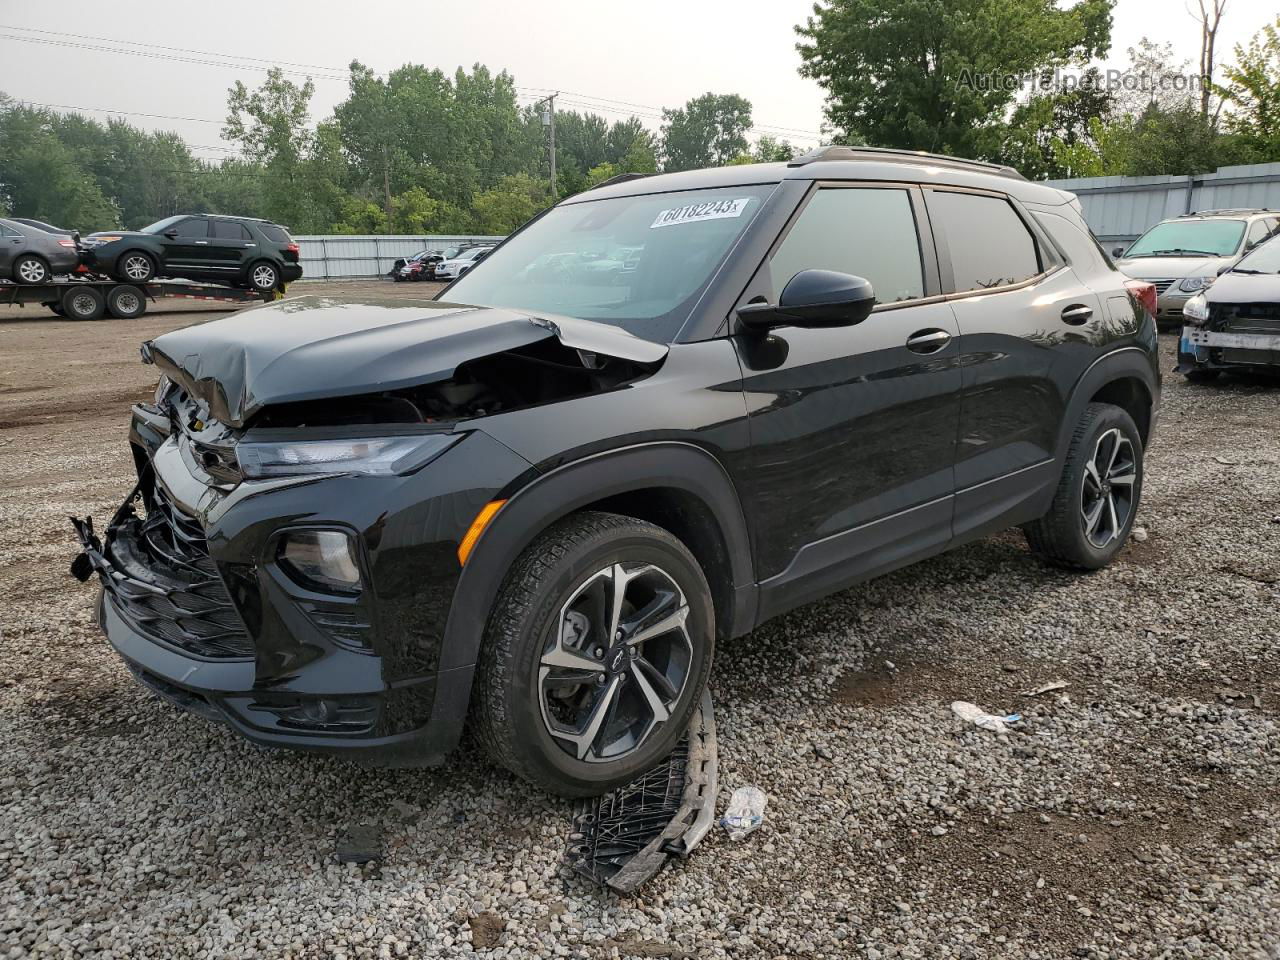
x=1177, y=268
x=312, y=347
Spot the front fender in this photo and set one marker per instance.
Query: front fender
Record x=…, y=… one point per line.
x=533, y=507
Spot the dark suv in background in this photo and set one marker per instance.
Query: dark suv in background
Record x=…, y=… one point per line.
x=237, y=251
x=543, y=500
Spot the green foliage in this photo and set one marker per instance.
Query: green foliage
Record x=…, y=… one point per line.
x=512, y=202
x=1252, y=95
x=708, y=131
x=926, y=74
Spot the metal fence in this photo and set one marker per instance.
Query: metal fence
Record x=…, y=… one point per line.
x=1121, y=209
x=366, y=256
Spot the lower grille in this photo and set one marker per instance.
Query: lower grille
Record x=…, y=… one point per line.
x=1249, y=318
x=171, y=589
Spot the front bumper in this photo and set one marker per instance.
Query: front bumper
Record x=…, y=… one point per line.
x=1202, y=349
x=291, y=667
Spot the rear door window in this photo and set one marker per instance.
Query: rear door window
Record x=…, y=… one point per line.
x=864, y=231
x=989, y=244
x=229, y=230
x=274, y=233
x=193, y=229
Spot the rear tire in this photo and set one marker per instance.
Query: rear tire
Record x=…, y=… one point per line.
x=551, y=637
x=1098, y=496
x=30, y=269
x=263, y=276
x=126, y=302
x=85, y=303
x=135, y=267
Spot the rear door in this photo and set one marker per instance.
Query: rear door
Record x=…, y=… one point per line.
x=11, y=242
x=853, y=429
x=1021, y=312
x=229, y=244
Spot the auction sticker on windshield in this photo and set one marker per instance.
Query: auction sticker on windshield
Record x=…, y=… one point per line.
x=695, y=212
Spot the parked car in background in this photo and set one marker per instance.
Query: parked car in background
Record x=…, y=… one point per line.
x=454, y=267
x=418, y=268
x=565, y=492
x=401, y=262
x=237, y=251
x=46, y=227
x=29, y=255
x=1235, y=324
x=1183, y=255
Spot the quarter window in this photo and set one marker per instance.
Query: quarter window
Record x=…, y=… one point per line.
x=229, y=230
x=1258, y=232
x=193, y=229
x=989, y=244
x=866, y=232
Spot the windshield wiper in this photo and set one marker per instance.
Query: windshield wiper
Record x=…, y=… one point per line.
x=1180, y=252
x=1247, y=270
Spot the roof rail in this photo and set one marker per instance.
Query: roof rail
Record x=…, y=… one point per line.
x=1228, y=210
x=825, y=154
x=620, y=178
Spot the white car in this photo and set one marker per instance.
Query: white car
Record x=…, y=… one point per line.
x=455, y=267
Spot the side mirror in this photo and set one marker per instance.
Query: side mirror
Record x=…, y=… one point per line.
x=171, y=234
x=813, y=298
x=1118, y=252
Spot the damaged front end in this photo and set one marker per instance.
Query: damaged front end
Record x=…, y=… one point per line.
x=287, y=559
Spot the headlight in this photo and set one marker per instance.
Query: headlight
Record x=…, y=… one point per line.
x=1197, y=308
x=1192, y=284
x=379, y=456
x=325, y=558
x=162, y=389
x=97, y=241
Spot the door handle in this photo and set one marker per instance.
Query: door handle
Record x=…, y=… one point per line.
x=202, y=243
x=928, y=341
x=1077, y=314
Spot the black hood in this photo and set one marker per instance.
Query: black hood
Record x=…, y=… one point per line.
x=1245, y=288
x=313, y=347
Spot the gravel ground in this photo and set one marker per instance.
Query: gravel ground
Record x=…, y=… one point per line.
x=1133, y=815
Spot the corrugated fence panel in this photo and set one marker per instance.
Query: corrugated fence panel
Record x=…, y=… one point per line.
x=366, y=256
x=1121, y=209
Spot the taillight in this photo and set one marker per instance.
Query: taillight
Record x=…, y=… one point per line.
x=291, y=247
x=1144, y=292
x=66, y=242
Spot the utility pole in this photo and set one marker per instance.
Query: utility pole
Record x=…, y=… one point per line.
x=386, y=182
x=549, y=121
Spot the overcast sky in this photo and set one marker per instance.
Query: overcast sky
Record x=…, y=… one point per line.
x=650, y=55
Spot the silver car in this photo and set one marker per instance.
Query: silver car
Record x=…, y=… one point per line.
x=1184, y=255
x=30, y=256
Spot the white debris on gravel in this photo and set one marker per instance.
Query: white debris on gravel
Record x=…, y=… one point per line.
x=1136, y=817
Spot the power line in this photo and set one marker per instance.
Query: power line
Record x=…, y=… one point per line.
x=127, y=113
x=652, y=111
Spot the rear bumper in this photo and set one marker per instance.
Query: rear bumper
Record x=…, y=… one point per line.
x=290, y=272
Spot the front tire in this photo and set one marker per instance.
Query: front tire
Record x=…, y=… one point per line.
x=1099, y=493
x=595, y=655
x=30, y=269
x=135, y=267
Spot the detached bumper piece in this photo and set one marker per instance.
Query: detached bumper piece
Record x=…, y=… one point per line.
x=621, y=840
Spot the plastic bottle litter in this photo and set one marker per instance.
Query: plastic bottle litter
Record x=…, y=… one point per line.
x=974, y=714
x=745, y=812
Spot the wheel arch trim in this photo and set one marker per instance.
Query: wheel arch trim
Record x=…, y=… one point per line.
x=1130, y=362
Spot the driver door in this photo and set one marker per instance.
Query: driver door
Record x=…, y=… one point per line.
x=853, y=429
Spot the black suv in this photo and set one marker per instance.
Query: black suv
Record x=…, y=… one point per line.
x=237, y=251
x=541, y=501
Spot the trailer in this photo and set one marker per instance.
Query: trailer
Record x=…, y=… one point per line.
x=91, y=299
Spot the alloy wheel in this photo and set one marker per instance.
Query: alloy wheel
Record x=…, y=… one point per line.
x=137, y=267
x=617, y=662
x=264, y=277
x=32, y=271
x=1106, y=500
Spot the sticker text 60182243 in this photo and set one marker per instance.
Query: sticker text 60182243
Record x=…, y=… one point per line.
x=695, y=212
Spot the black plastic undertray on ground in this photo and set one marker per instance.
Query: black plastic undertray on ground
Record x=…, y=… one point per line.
x=624, y=838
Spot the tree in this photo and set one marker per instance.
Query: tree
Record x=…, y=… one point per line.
x=1042, y=133
x=1210, y=20
x=512, y=202
x=1252, y=95
x=708, y=131
x=938, y=75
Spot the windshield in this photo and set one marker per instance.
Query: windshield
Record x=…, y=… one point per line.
x=1264, y=258
x=635, y=262
x=161, y=225
x=1205, y=238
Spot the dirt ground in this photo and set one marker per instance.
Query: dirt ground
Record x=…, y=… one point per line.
x=1136, y=815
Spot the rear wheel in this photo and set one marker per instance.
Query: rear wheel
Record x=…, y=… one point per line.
x=86, y=303
x=135, y=267
x=263, y=276
x=1098, y=496
x=31, y=269
x=126, y=302
x=595, y=655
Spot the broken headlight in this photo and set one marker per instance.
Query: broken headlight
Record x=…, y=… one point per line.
x=378, y=456
x=324, y=558
x=1196, y=309
x=162, y=389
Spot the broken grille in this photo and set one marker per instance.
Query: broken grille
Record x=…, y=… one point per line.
x=183, y=601
x=1251, y=318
